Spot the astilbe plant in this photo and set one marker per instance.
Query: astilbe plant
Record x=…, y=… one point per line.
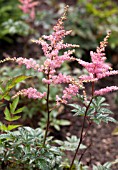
x=94, y=109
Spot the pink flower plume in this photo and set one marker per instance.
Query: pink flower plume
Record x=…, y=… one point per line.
x=106, y=90
x=31, y=93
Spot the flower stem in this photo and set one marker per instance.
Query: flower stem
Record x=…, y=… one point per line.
x=83, y=125
x=48, y=118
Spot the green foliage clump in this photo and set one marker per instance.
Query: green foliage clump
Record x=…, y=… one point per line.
x=90, y=20
x=11, y=22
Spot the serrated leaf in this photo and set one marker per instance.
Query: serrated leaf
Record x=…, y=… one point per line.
x=6, y=97
x=11, y=127
x=100, y=100
x=14, y=105
x=91, y=111
x=75, y=106
x=111, y=119
x=105, y=110
x=3, y=127
x=12, y=82
x=71, y=144
x=13, y=118
x=81, y=97
x=19, y=110
x=7, y=114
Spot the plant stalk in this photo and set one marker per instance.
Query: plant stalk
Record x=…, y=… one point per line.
x=83, y=125
x=48, y=118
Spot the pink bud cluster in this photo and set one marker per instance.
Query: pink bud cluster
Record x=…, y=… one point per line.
x=29, y=63
x=28, y=7
x=68, y=92
x=31, y=93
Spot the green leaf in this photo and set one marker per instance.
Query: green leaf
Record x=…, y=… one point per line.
x=4, y=136
x=3, y=127
x=63, y=122
x=12, y=82
x=43, y=164
x=110, y=119
x=19, y=110
x=13, y=118
x=7, y=97
x=105, y=110
x=11, y=127
x=56, y=127
x=1, y=88
x=71, y=143
x=75, y=106
x=7, y=114
x=14, y=105
x=78, y=110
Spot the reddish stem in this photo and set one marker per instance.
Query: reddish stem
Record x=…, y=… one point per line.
x=82, y=130
x=48, y=111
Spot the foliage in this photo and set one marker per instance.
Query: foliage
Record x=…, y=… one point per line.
x=31, y=108
x=54, y=121
x=26, y=144
x=11, y=22
x=106, y=166
x=10, y=111
x=97, y=111
x=70, y=144
x=90, y=20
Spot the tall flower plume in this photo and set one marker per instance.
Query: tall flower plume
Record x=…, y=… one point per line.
x=51, y=46
x=98, y=68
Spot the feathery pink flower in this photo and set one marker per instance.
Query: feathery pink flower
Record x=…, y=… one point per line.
x=68, y=92
x=31, y=93
x=98, y=68
x=51, y=46
x=29, y=63
x=106, y=90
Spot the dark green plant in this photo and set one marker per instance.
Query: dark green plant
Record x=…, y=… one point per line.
x=9, y=105
x=11, y=22
x=98, y=111
x=26, y=144
x=54, y=121
x=90, y=20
